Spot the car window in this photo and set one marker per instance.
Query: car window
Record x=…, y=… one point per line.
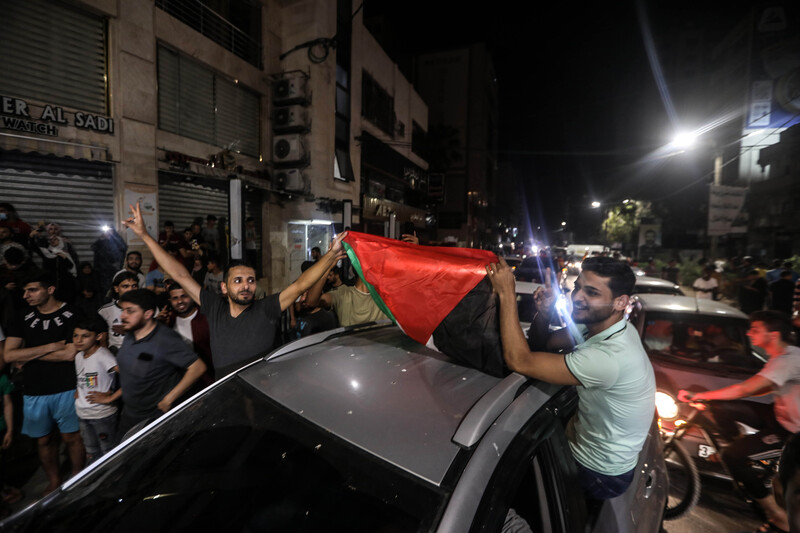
x=235, y=461
x=698, y=340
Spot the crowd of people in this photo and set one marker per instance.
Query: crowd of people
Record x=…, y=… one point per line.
x=91, y=351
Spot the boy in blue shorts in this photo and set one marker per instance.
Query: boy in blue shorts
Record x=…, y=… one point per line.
x=40, y=341
x=95, y=397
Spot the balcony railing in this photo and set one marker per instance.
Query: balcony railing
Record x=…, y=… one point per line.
x=199, y=17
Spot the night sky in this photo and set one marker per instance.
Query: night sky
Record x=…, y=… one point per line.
x=579, y=105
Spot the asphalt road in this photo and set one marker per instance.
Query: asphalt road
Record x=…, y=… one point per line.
x=718, y=511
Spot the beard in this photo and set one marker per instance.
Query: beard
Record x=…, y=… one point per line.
x=240, y=301
x=592, y=315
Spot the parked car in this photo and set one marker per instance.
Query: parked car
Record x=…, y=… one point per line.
x=650, y=285
x=355, y=429
x=694, y=344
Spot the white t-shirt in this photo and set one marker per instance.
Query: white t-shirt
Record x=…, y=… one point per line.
x=112, y=313
x=95, y=373
x=184, y=327
x=784, y=372
x=700, y=283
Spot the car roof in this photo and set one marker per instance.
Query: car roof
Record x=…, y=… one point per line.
x=387, y=394
x=687, y=304
x=649, y=280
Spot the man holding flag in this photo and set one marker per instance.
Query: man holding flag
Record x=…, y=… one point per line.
x=614, y=378
x=241, y=327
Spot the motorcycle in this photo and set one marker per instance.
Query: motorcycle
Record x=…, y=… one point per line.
x=682, y=467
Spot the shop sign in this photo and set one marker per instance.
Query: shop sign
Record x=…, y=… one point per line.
x=18, y=116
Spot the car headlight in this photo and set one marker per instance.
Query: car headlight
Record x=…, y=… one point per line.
x=666, y=406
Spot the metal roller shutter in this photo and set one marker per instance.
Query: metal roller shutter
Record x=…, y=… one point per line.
x=79, y=196
x=181, y=202
x=53, y=52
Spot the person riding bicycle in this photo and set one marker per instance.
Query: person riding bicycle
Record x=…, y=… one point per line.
x=769, y=330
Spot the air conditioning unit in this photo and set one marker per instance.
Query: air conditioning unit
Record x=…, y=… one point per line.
x=290, y=118
x=289, y=179
x=288, y=149
x=287, y=91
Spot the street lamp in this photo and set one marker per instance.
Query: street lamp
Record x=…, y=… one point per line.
x=595, y=204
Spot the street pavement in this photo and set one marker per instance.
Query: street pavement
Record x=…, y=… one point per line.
x=719, y=510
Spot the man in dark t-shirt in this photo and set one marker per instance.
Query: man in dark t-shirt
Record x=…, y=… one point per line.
x=41, y=341
x=156, y=367
x=241, y=327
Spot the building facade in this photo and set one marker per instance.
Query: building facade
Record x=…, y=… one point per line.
x=243, y=110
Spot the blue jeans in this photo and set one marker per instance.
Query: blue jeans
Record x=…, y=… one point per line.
x=597, y=486
x=99, y=436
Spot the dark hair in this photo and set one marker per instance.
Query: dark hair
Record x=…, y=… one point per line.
x=134, y=252
x=233, y=264
x=316, y=248
x=173, y=285
x=14, y=255
x=86, y=263
x=774, y=321
x=211, y=217
x=337, y=271
x=790, y=457
x=93, y=322
x=45, y=279
x=8, y=207
x=621, y=278
x=786, y=273
x=305, y=265
x=122, y=276
x=169, y=223
x=144, y=298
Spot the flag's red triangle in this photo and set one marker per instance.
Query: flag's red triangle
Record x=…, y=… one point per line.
x=419, y=284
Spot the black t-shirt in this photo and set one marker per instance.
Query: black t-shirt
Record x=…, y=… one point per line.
x=151, y=367
x=240, y=340
x=36, y=329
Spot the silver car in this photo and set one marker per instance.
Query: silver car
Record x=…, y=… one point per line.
x=356, y=429
x=650, y=285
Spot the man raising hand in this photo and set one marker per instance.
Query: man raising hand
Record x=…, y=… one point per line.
x=242, y=328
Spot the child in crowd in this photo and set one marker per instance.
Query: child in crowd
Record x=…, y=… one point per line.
x=96, y=369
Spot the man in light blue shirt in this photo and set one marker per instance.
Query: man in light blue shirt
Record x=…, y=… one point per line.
x=603, y=357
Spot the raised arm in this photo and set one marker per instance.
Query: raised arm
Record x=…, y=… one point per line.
x=549, y=367
x=314, y=274
x=171, y=266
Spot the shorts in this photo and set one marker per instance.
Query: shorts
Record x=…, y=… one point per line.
x=41, y=413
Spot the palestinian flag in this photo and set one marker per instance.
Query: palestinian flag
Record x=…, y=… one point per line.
x=438, y=296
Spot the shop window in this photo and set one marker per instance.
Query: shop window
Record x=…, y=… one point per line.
x=195, y=102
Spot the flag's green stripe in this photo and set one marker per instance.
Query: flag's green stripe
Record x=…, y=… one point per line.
x=357, y=266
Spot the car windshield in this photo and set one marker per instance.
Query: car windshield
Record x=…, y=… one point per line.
x=235, y=461
x=700, y=340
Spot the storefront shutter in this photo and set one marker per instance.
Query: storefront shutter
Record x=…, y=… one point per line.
x=77, y=195
x=53, y=52
x=181, y=201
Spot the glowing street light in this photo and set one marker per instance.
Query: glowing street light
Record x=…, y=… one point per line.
x=563, y=223
x=595, y=204
x=685, y=139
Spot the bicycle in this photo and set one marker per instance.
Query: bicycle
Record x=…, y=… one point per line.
x=682, y=471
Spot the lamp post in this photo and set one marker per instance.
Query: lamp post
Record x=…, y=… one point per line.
x=687, y=140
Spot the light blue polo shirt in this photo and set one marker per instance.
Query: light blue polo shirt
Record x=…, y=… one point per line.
x=616, y=400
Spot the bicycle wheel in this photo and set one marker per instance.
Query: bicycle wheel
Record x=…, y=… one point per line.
x=684, y=481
